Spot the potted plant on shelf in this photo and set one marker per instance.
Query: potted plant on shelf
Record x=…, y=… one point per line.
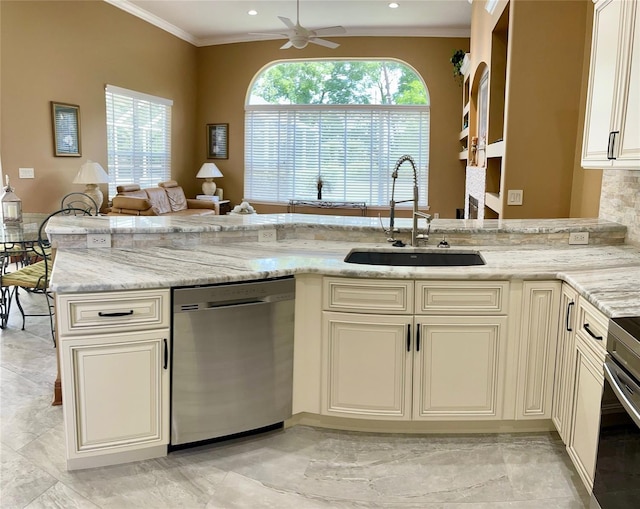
x=456, y=60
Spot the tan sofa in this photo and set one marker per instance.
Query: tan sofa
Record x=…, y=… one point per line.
x=166, y=199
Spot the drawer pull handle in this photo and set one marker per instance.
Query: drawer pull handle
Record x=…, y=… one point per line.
x=408, y=337
x=611, y=145
x=117, y=313
x=594, y=336
x=569, y=329
x=418, y=338
x=166, y=354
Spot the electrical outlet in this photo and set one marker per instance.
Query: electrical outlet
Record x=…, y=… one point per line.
x=268, y=235
x=98, y=240
x=436, y=215
x=26, y=173
x=578, y=238
x=514, y=197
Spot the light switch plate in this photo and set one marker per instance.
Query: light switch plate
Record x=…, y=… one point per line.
x=514, y=197
x=26, y=173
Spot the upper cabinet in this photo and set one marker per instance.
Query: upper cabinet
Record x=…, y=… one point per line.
x=612, y=123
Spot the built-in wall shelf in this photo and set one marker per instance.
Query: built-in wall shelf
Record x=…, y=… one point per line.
x=495, y=149
x=493, y=201
x=464, y=155
x=464, y=133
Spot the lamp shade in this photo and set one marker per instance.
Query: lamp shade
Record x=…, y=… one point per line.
x=209, y=170
x=91, y=173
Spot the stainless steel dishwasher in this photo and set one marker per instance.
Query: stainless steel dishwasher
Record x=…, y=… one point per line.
x=232, y=358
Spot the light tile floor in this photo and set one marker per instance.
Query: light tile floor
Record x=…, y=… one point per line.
x=301, y=467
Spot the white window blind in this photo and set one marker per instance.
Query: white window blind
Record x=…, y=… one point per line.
x=353, y=148
x=138, y=138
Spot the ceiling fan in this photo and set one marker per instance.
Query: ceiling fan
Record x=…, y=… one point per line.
x=300, y=36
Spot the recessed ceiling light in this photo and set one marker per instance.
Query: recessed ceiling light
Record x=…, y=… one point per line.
x=394, y=5
x=252, y=12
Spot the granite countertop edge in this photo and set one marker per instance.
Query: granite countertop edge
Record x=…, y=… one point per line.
x=607, y=276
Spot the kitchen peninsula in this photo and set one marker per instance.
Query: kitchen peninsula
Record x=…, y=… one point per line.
x=513, y=304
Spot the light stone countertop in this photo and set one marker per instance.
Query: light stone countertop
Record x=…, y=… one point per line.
x=198, y=224
x=608, y=276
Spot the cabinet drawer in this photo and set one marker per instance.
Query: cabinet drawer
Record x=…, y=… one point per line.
x=93, y=313
x=368, y=295
x=592, y=325
x=453, y=297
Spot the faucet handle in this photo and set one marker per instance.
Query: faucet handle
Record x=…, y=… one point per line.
x=443, y=243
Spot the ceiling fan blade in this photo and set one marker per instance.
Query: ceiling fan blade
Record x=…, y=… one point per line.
x=272, y=34
x=324, y=42
x=287, y=22
x=286, y=45
x=328, y=31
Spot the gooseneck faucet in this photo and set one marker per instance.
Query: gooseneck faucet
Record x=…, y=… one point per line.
x=416, y=213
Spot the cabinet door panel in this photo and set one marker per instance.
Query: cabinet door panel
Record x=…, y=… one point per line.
x=564, y=366
x=602, y=83
x=459, y=368
x=368, y=367
x=585, y=420
x=119, y=389
x=538, y=338
x=629, y=144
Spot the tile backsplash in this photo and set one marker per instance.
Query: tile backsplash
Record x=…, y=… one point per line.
x=620, y=200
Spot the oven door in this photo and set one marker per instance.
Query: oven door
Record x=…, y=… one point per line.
x=617, y=477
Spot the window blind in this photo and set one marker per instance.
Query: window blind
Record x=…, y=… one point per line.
x=138, y=138
x=353, y=149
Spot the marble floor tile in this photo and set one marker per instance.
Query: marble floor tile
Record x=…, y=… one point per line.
x=298, y=468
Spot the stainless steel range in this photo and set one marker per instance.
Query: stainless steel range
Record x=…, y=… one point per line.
x=617, y=478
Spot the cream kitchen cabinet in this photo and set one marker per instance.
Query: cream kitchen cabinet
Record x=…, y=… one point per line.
x=368, y=365
x=612, y=123
x=459, y=367
x=584, y=423
x=564, y=365
x=114, y=357
x=442, y=359
x=537, y=341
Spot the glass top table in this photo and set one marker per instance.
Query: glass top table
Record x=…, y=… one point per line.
x=18, y=236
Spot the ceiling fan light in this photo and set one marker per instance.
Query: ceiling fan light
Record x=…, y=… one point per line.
x=299, y=42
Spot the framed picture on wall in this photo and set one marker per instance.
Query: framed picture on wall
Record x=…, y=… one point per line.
x=66, y=129
x=218, y=141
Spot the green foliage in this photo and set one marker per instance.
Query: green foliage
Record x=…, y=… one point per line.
x=456, y=60
x=339, y=82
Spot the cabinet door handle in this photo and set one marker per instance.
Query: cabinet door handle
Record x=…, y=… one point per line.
x=417, y=337
x=408, y=337
x=117, y=313
x=612, y=143
x=594, y=336
x=166, y=354
x=569, y=329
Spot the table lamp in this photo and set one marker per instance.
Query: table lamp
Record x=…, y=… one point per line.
x=92, y=174
x=209, y=171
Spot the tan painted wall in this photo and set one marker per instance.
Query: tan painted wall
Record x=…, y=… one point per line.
x=548, y=39
x=67, y=52
x=225, y=73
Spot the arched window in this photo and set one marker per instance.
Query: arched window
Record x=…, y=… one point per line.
x=343, y=121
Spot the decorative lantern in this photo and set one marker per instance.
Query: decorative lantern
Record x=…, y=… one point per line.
x=11, y=207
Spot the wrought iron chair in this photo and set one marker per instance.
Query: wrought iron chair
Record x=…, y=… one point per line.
x=34, y=276
x=80, y=201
